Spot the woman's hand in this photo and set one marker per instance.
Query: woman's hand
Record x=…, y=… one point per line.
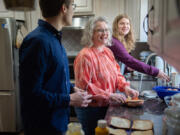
x=80, y=98
x=116, y=98
x=131, y=92
x=163, y=76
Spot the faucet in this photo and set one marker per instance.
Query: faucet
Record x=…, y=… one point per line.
x=166, y=69
x=149, y=57
x=166, y=66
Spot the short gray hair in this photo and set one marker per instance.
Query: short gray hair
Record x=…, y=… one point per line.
x=86, y=39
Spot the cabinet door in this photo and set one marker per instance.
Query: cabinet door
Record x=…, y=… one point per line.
x=155, y=24
x=19, y=15
x=32, y=17
x=3, y=11
x=171, y=45
x=101, y=8
x=7, y=112
x=83, y=7
x=133, y=10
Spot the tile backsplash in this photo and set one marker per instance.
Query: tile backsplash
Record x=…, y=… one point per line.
x=71, y=41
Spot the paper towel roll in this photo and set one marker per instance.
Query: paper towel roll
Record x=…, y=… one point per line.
x=159, y=63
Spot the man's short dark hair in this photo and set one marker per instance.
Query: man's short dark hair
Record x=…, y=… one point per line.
x=51, y=8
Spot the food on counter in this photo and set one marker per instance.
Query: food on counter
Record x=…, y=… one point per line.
x=117, y=131
x=148, y=132
x=142, y=125
x=134, y=102
x=172, y=89
x=119, y=122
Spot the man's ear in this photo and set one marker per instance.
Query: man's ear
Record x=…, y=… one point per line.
x=64, y=8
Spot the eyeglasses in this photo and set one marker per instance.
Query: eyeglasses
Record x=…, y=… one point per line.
x=73, y=6
x=101, y=30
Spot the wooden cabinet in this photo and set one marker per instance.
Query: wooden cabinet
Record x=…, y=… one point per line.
x=171, y=33
x=135, y=9
x=165, y=24
x=108, y=9
x=32, y=17
x=155, y=23
x=84, y=7
x=7, y=13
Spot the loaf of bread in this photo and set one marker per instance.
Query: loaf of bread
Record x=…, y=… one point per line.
x=119, y=122
x=148, y=132
x=142, y=125
x=117, y=131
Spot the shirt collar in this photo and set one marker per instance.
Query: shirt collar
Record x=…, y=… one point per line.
x=48, y=26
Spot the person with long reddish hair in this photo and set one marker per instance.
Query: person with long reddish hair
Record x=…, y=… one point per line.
x=123, y=43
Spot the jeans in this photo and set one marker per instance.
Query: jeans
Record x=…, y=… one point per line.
x=89, y=116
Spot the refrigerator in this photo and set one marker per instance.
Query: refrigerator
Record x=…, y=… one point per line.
x=10, y=120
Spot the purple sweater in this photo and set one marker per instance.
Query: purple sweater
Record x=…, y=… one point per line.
x=123, y=56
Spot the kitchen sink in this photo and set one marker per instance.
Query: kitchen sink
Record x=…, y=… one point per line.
x=148, y=82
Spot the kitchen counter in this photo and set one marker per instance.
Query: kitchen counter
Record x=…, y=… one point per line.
x=153, y=109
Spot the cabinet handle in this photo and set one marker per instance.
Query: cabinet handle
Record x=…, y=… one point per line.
x=147, y=18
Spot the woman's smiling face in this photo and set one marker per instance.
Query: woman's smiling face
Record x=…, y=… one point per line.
x=123, y=26
x=100, y=34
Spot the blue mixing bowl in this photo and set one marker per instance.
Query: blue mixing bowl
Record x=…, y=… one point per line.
x=163, y=91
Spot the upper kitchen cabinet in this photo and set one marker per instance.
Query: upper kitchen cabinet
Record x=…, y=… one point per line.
x=32, y=17
x=135, y=9
x=164, y=25
x=84, y=7
x=19, y=15
x=155, y=25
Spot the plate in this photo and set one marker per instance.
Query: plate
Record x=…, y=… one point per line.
x=148, y=94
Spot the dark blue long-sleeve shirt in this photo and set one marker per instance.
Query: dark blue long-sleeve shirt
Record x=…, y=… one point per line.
x=44, y=80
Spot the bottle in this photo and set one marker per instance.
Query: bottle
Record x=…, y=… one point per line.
x=74, y=128
x=102, y=129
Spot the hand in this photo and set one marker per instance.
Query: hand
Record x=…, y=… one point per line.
x=131, y=92
x=130, y=69
x=163, y=76
x=100, y=99
x=116, y=98
x=80, y=99
x=76, y=89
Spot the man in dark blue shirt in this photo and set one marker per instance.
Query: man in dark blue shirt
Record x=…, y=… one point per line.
x=44, y=73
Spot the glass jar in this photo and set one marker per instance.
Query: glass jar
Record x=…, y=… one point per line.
x=74, y=128
x=176, y=100
x=171, y=121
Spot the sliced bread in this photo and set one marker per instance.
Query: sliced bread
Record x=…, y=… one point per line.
x=119, y=122
x=142, y=125
x=148, y=132
x=117, y=131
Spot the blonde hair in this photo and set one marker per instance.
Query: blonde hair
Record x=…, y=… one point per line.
x=86, y=39
x=128, y=40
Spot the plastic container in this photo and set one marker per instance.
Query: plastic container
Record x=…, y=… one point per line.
x=74, y=129
x=171, y=121
x=175, y=101
x=163, y=91
x=102, y=129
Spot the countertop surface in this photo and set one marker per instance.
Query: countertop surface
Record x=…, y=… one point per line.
x=153, y=109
